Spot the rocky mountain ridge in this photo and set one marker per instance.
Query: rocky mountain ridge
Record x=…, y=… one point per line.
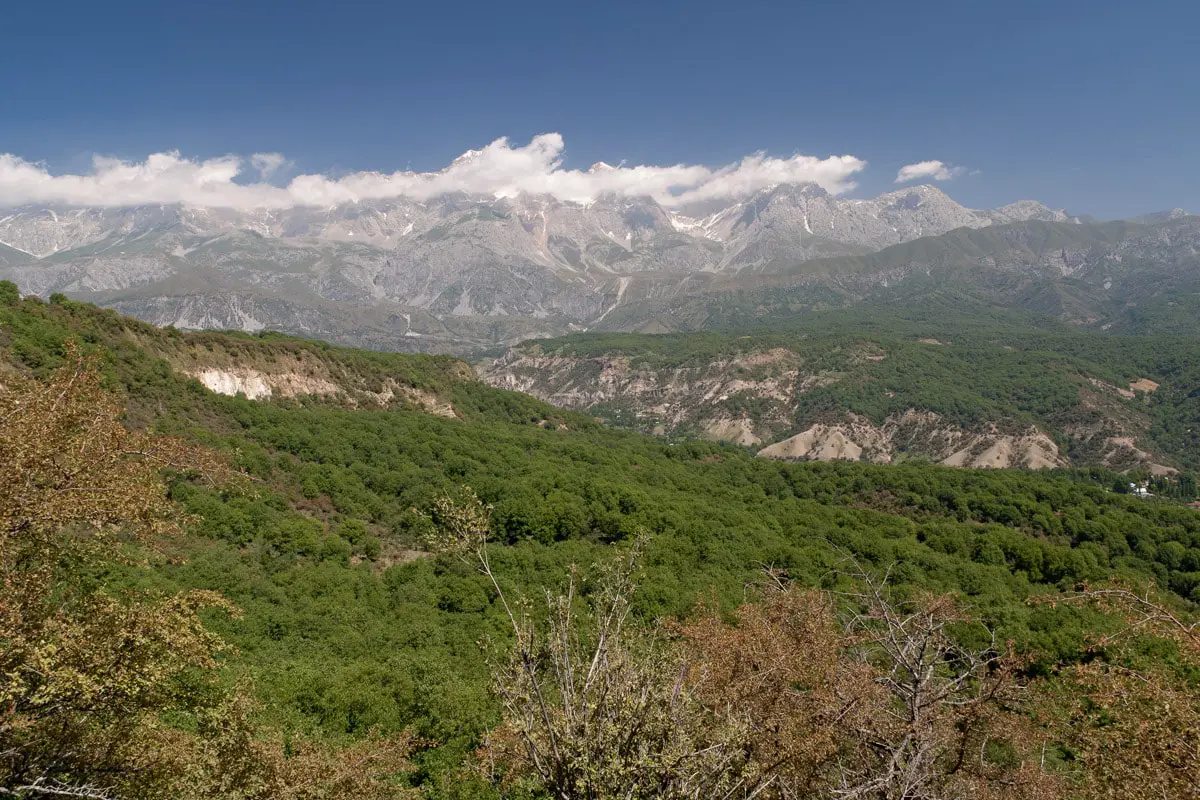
x=1115, y=276
x=459, y=268
x=870, y=224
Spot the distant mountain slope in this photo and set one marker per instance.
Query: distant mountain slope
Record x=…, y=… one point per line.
x=964, y=393
x=472, y=274
x=1118, y=277
x=1161, y=216
x=523, y=263
x=11, y=257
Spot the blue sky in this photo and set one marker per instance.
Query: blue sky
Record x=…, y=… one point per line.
x=1092, y=106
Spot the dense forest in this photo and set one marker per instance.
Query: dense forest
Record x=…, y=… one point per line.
x=308, y=526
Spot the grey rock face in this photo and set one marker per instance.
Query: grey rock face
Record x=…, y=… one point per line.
x=1117, y=276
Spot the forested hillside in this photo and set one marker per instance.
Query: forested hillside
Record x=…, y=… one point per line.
x=349, y=625
x=934, y=384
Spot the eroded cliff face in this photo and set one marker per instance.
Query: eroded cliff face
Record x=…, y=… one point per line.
x=257, y=385
x=264, y=370
x=668, y=398
x=761, y=400
x=263, y=385
x=919, y=433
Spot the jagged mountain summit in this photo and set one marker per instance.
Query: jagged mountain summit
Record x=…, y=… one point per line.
x=790, y=224
x=1162, y=216
x=803, y=210
x=455, y=268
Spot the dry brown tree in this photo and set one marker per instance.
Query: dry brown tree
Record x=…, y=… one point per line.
x=883, y=704
x=86, y=675
x=954, y=722
x=232, y=758
x=862, y=695
x=1130, y=715
x=782, y=665
x=81, y=671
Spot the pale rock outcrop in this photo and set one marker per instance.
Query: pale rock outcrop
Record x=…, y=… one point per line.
x=259, y=385
x=857, y=439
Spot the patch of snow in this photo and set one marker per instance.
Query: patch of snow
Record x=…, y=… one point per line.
x=678, y=222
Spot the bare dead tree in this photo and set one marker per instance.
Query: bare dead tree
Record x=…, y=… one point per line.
x=591, y=710
x=945, y=702
x=49, y=787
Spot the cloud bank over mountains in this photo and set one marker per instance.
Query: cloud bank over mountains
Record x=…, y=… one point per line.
x=500, y=169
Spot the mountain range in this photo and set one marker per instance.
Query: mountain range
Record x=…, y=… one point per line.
x=458, y=272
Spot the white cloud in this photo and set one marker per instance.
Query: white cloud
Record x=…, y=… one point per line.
x=499, y=169
x=937, y=170
x=759, y=170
